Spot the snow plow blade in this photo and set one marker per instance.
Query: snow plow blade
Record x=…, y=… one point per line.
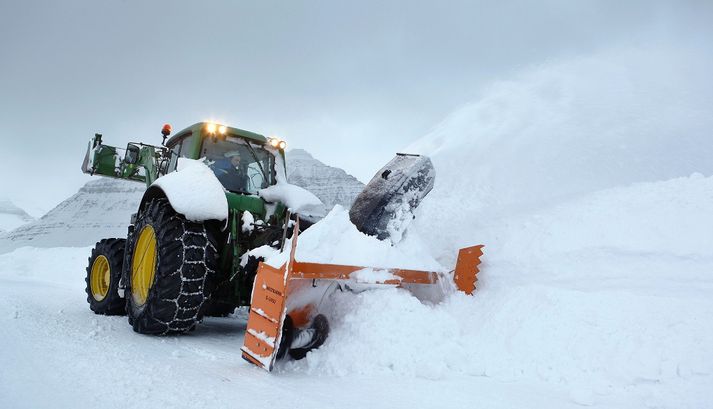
x=292, y=290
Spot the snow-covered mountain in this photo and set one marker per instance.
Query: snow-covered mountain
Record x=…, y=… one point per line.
x=330, y=184
x=11, y=216
x=103, y=207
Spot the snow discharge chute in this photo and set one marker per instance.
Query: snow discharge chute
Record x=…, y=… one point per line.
x=296, y=288
x=385, y=207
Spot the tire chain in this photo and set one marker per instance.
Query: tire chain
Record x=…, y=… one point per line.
x=183, y=290
x=194, y=260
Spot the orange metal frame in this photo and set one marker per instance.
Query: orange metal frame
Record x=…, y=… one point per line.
x=273, y=285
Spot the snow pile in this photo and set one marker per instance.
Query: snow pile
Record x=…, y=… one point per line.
x=194, y=191
x=594, y=296
x=335, y=240
x=593, y=282
x=661, y=218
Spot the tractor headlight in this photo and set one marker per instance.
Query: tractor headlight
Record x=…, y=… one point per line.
x=277, y=143
x=211, y=127
x=222, y=129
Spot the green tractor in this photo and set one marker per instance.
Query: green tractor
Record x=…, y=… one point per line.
x=182, y=258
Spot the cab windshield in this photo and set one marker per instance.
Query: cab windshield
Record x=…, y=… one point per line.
x=240, y=167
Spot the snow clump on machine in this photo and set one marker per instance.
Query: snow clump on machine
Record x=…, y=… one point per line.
x=335, y=240
x=297, y=199
x=194, y=191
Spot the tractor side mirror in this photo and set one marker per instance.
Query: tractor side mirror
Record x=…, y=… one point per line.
x=132, y=154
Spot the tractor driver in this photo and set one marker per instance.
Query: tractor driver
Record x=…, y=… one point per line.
x=230, y=173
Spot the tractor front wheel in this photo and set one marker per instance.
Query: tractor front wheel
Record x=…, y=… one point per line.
x=171, y=270
x=103, y=274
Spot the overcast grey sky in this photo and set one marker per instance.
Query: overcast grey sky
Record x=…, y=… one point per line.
x=351, y=82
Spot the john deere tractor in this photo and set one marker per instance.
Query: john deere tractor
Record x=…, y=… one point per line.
x=181, y=258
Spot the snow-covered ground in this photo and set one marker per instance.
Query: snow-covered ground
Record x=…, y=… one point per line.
x=596, y=287
x=613, y=316
x=57, y=353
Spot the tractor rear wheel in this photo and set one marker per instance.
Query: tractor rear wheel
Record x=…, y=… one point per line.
x=103, y=274
x=171, y=270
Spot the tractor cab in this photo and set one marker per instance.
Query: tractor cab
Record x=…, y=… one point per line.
x=240, y=167
x=243, y=161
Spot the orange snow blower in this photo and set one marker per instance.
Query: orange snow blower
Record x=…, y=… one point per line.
x=292, y=290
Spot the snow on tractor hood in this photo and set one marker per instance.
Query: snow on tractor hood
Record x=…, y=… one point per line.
x=194, y=191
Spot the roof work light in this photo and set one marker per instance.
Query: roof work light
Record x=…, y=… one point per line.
x=277, y=143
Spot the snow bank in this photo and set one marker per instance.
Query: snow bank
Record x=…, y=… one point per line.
x=579, y=177
x=594, y=296
x=29, y=264
x=670, y=217
x=194, y=191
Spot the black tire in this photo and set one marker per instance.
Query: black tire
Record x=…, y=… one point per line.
x=107, y=301
x=185, y=271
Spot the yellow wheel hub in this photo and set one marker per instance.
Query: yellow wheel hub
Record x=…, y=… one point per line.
x=100, y=278
x=143, y=265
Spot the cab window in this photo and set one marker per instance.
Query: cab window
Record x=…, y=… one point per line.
x=240, y=167
x=182, y=148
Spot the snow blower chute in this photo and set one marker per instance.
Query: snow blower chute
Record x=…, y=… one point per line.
x=383, y=209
